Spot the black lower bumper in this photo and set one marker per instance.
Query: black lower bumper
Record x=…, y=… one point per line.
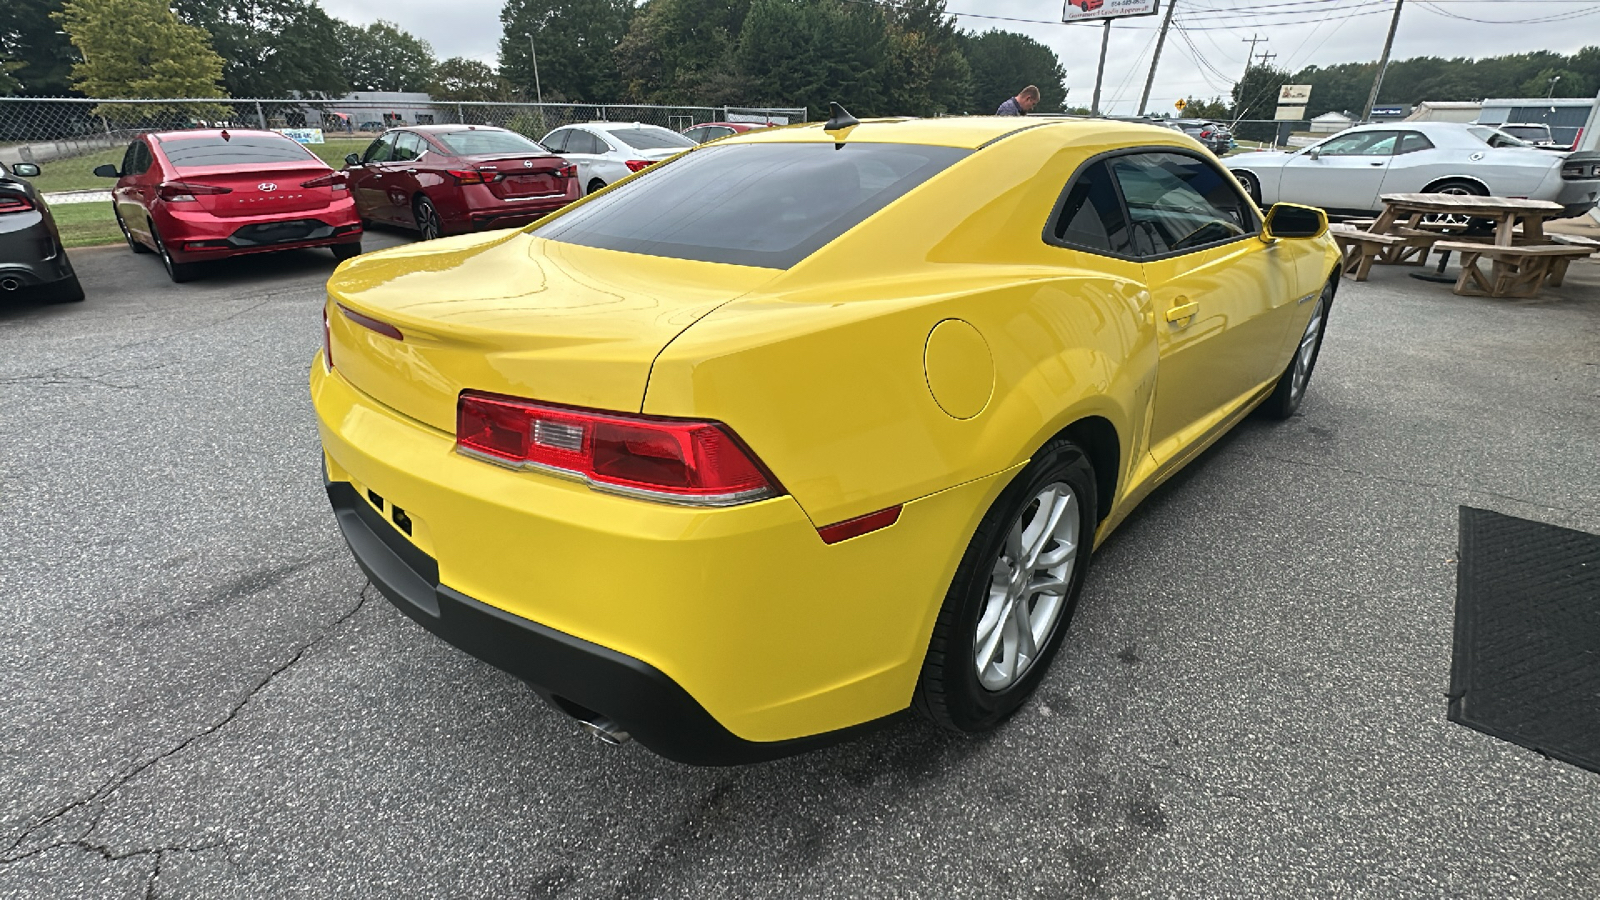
x=655, y=710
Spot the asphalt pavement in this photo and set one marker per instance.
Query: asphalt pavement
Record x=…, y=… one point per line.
x=203, y=698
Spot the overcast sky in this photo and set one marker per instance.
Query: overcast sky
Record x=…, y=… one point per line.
x=1300, y=32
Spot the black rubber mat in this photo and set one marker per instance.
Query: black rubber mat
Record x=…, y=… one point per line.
x=1527, y=652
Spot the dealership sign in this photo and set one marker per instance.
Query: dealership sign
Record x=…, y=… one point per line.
x=1091, y=10
x=1294, y=95
x=303, y=135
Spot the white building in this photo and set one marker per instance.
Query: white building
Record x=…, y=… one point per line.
x=1331, y=123
x=1446, y=111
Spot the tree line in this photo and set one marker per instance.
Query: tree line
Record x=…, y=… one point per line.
x=877, y=57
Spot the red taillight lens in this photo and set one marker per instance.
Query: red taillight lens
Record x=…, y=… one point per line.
x=468, y=176
x=637, y=165
x=183, y=192
x=1207, y=133
x=568, y=171
x=849, y=528
x=673, y=460
x=334, y=180
x=11, y=203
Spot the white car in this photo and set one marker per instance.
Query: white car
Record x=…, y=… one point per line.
x=1347, y=172
x=605, y=152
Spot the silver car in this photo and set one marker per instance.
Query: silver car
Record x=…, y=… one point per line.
x=1347, y=172
x=33, y=263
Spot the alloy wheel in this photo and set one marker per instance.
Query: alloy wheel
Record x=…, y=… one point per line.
x=1307, y=352
x=1027, y=587
x=427, y=220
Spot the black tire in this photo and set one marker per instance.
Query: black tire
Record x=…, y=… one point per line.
x=949, y=691
x=426, y=217
x=1252, y=186
x=67, y=290
x=1292, y=384
x=343, y=252
x=595, y=185
x=133, y=243
x=177, y=271
x=1464, y=188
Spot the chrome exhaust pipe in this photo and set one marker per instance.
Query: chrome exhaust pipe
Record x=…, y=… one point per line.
x=10, y=284
x=606, y=730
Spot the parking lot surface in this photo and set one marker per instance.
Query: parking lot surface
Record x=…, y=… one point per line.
x=203, y=698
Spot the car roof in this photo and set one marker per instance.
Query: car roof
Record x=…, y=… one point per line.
x=191, y=133
x=968, y=132
x=447, y=129
x=616, y=126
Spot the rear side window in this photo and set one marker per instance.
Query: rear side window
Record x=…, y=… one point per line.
x=1412, y=141
x=1091, y=216
x=767, y=205
x=649, y=138
x=241, y=149
x=556, y=141
x=475, y=143
x=1178, y=203
x=583, y=142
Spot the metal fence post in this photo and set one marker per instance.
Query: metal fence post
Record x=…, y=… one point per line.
x=261, y=115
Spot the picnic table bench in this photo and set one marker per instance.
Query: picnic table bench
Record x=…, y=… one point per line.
x=1518, y=271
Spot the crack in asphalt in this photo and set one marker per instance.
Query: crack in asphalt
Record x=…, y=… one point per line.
x=101, y=795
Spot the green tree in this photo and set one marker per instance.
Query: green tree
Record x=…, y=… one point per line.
x=809, y=52
x=924, y=70
x=1256, y=97
x=139, y=49
x=271, y=47
x=675, y=47
x=574, y=40
x=1214, y=108
x=1004, y=62
x=35, y=57
x=382, y=57
x=467, y=80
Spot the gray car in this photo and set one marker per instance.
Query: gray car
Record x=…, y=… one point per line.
x=33, y=263
x=1348, y=172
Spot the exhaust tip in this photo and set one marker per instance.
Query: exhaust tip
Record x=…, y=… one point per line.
x=606, y=730
x=10, y=284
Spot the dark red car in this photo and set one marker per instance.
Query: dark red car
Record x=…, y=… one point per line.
x=450, y=179
x=209, y=194
x=710, y=131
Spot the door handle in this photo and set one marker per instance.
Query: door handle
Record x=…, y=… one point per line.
x=1375, y=164
x=411, y=171
x=1182, y=311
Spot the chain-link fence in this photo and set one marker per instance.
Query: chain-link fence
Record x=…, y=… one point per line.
x=40, y=130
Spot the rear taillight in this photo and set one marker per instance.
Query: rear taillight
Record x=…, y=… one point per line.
x=472, y=176
x=670, y=460
x=638, y=165
x=333, y=180
x=11, y=203
x=568, y=171
x=183, y=192
x=327, y=340
x=1206, y=132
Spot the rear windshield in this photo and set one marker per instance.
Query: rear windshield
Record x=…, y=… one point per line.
x=475, y=143
x=649, y=138
x=240, y=149
x=767, y=205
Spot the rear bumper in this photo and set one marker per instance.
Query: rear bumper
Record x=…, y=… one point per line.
x=569, y=671
x=193, y=235
x=30, y=251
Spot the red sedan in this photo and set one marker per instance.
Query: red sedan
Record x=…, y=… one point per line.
x=209, y=194
x=449, y=179
x=710, y=131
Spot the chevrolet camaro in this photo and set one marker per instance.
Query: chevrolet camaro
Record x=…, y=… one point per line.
x=739, y=472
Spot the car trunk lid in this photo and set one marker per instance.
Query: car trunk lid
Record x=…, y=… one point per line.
x=263, y=189
x=515, y=315
x=516, y=177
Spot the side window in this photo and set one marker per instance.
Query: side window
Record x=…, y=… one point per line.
x=1360, y=143
x=1412, y=141
x=582, y=142
x=380, y=150
x=407, y=146
x=698, y=135
x=1178, y=203
x=1091, y=216
x=556, y=141
x=130, y=159
x=718, y=132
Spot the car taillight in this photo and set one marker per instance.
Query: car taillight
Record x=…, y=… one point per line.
x=327, y=340
x=637, y=165
x=183, y=192
x=333, y=180
x=680, y=461
x=470, y=176
x=1206, y=132
x=11, y=203
x=568, y=171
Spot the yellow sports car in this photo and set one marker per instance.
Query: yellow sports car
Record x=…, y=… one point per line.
x=808, y=427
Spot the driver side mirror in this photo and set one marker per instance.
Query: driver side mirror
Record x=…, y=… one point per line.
x=351, y=159
x=1291, y=220
x=107, y=170
x=25, y=170
x=1314, y=153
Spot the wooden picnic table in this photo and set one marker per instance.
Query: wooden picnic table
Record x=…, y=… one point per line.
x=1522, y=260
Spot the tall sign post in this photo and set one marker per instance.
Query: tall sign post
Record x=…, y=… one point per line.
x=1292, y=101
x=1073, y=11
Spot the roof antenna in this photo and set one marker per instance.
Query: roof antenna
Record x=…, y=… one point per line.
x=839, y=118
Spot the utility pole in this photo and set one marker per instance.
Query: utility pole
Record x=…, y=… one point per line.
x=538, y=91
x=1383, y=62
x=1105, y=39
x=1161, y=39
x=1252, y=40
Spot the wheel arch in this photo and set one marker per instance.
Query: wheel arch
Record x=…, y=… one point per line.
x=1428, y=188
x=1099, y=439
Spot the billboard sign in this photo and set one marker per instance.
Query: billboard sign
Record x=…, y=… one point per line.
x=302, y=135
x=1094, y=10
x=1294, y=95
x=1290, y=113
